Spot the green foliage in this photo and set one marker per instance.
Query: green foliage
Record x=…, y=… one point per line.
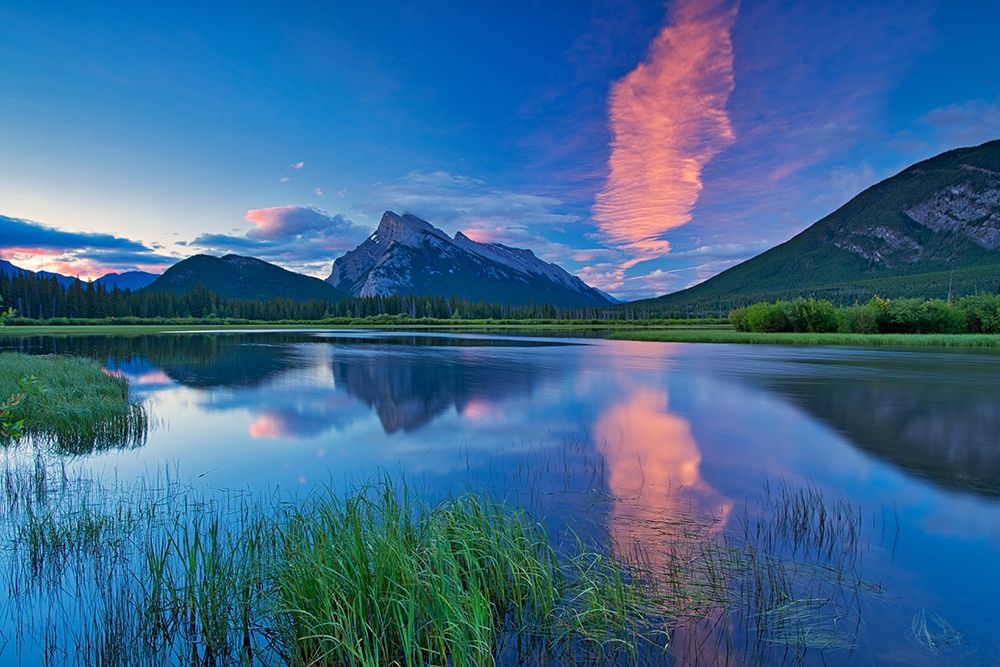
x=982, y=313
x=40, y=299
x=972, y=314
x=165, y=575
x=5, y=314
x=800, y=315
x=68, y=402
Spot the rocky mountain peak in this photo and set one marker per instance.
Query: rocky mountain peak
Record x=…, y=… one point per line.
x=407, y=255
x=406, y=229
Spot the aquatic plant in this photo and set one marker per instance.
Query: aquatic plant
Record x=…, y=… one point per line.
x=68, y=403
x=163, y=573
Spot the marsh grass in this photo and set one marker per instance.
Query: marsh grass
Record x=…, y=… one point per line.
x=69, y=403
x=156, y=573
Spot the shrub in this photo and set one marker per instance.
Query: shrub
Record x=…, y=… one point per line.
x=802, y=315
x=811, y=315
x=767, y=317
x=982, y=313
x=972, y=314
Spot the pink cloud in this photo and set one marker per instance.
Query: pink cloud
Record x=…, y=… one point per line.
x=15, y=253
x=67, y=264
x=284, y=221
x=668, y=119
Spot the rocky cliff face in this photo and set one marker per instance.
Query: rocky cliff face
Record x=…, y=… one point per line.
x=971, y=210
x=965, y=212
x=407, y=255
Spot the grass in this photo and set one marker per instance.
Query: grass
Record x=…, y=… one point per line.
x=68, y=402
x=157, y=573
x=652, y=331
x=728, y=335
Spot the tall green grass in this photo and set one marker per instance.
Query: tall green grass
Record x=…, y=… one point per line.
x=69, y=403
x=163, y=574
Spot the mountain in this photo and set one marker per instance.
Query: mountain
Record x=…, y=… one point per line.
x=129, y=280
x=237, y=277
x=407, y=255
x=929, y=231
x=12, y=269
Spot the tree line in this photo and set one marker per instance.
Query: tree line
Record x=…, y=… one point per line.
x=36, y=298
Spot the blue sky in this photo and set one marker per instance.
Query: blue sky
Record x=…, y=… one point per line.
x=643, y=146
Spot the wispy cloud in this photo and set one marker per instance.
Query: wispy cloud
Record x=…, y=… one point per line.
x=967, y=124
x=456, y=202
x=668, y=119
x=297, y=165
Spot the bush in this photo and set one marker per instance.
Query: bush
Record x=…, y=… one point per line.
x=982, y=313
x=971, y=314
x=812, y=315
x=801, y=315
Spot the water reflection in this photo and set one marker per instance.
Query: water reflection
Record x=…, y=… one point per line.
x=936, y=416
x=654, y=466
x=666, y=440
x=408, y=390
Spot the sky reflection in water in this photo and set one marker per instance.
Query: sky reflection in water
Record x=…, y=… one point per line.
x=665, y=430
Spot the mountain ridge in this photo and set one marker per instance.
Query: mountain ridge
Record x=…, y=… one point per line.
x=408, y=255
x=931, y=230
x=239, y=277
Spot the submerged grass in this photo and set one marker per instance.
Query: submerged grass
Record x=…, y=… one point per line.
x=69, y=403
x=162, y=574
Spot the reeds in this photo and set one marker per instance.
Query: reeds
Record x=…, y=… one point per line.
x=160, y=573
x=68, y=403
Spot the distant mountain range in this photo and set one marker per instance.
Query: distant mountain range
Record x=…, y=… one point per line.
x=237, y=277
x=407, y=255
x=130, y=280
x=933, y=230
x=929, y=231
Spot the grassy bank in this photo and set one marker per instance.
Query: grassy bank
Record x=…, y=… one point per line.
x=69, y=403
x=638, y=331
x=724, y=335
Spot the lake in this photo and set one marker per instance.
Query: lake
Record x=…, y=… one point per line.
x=642, y=447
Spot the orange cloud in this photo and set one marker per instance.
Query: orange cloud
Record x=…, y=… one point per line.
x=668, y=120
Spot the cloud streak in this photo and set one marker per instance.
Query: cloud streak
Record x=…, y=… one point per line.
x=668, y=119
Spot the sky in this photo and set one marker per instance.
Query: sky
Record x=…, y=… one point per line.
x=644, y=146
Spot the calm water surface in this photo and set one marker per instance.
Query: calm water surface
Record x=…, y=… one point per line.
x=609, y=439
